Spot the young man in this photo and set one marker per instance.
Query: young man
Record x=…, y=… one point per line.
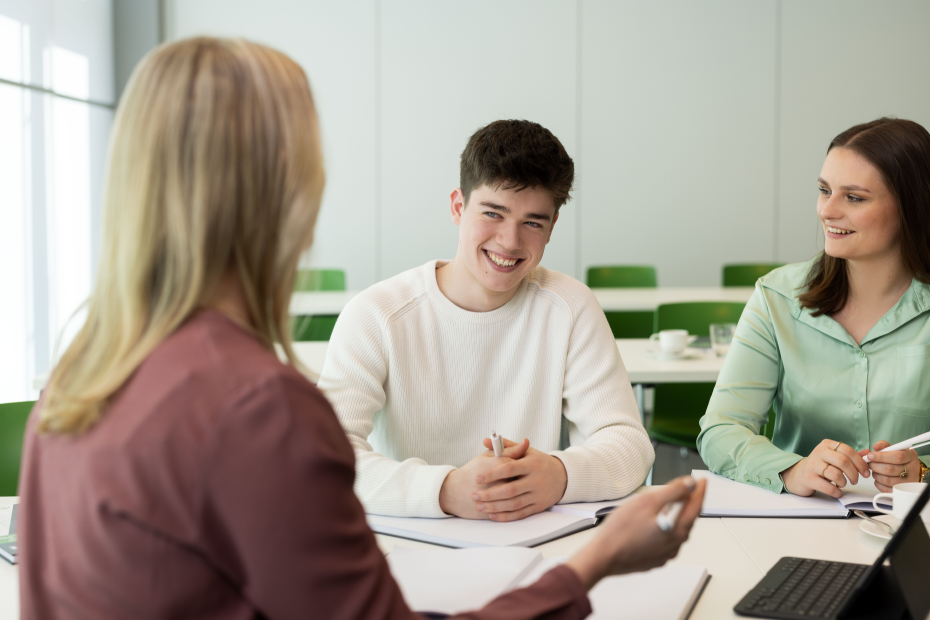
x=423, y=366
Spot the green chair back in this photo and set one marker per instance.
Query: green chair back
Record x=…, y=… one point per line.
x=697, y=316
x=320, y=280
x=317, y=328
x=13, y=418
x=622, y=276
x=625, y=324
x=678, y=407
x=746, y=274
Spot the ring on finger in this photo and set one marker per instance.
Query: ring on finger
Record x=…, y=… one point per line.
x=824, y=472
x=836, y=446
x=904, y=473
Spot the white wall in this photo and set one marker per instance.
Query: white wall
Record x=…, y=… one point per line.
x=698, y=129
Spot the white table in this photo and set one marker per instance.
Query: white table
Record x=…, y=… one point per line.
x=640, y=299
x=640, y=366
x=736, y=552
x=610, y=299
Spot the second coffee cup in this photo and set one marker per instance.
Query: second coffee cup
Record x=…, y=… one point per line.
x=672, y=341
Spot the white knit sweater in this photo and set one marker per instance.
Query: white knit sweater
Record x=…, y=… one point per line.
x=418, y=382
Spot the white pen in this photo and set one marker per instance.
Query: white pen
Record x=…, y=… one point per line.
x=913, y=442
x=497, y=443
x=668, y=516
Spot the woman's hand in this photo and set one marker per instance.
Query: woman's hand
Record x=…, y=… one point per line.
x=630, y=540
x=827, y=469
x=888, y=466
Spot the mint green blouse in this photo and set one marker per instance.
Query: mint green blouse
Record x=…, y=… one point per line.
x=823, y=385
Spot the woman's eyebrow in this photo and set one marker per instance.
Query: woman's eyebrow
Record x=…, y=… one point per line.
x=855, y=188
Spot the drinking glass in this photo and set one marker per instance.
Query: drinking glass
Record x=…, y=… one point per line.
x=721, y=335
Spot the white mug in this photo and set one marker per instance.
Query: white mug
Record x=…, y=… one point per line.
x=672, y=341
x=903, y=497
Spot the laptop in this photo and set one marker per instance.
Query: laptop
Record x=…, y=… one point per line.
x=798, y=588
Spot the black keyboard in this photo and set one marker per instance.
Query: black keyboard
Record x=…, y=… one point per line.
x=800, y=588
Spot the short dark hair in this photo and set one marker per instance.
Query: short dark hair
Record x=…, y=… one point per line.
x=900, y=150
x=517, y=155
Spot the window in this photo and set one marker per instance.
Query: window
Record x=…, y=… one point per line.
x=56, y=107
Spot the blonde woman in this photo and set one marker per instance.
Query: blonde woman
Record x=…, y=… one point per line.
x=174, y=468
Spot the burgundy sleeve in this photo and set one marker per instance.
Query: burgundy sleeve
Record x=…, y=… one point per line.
x=281, y=522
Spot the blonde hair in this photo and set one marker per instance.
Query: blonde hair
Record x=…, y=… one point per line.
x=214, y=164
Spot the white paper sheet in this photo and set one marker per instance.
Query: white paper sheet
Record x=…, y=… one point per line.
x=455, y=580
x=665, y=593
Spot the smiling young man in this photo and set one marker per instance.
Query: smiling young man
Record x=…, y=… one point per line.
x=422, y=367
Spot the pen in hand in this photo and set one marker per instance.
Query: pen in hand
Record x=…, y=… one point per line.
x=668, y=516
x=497, y=442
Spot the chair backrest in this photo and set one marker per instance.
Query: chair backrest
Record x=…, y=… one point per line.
x=622, y=276
x=13, y=418
x=746, y=274
x=697, y=316
x=320, y=280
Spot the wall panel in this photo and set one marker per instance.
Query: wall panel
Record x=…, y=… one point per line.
x=677, y=139
x=448, y=69
x=335, y=44
x=844, y=62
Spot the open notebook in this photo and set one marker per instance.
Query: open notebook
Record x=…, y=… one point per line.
x=728, y=498
x=560, y=520
x=463, y=533
x=456, y=580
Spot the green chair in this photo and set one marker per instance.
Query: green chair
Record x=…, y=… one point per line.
x=13, y=418
x=316, y=328
x=746, y=274
x=678, y=406
x=625, y=324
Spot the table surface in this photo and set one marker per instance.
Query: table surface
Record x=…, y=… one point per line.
x=610, y=299
x=640, y=365
x=736, y=553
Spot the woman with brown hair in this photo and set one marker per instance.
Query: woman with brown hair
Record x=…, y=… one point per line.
x=174, y=468
x=841, y=344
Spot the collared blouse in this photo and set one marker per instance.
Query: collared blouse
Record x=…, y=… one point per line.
x=822, y=383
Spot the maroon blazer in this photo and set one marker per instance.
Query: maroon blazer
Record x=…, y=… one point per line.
x=217, y=484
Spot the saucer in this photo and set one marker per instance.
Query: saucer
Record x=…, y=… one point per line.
x=873, y=530
x=687, y=354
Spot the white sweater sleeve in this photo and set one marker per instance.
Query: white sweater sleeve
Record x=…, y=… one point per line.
x=353, y=379
x=610, y=453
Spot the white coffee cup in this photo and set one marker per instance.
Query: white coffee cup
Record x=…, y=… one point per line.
x=903, y=497
x=673, y=341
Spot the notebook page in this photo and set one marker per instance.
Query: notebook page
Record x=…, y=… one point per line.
x=6, y=513
x=456, y=580
x=590, y=509
x=665, y=593
x=728, y=498
x=455, y=532
x=859, y=496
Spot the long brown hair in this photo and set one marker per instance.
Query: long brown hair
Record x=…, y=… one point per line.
x=214, y=164
x=900, y=151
